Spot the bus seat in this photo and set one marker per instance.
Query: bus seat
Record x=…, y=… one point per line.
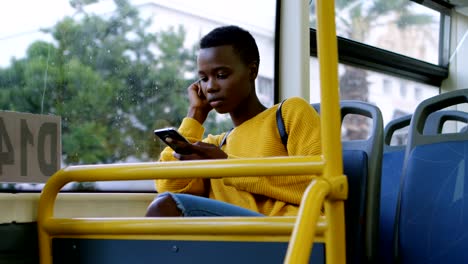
x=431, y=221
x=392, y=164
x=362, y=160
x=435, y=121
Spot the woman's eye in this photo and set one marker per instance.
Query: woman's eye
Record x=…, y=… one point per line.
x=221, y=76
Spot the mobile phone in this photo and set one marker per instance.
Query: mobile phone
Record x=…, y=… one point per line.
x=172, y=133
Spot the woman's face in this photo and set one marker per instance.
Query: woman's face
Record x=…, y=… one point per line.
x=226, y=80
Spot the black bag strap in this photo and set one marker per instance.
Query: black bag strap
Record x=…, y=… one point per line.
x=223, y=141
x=280, y=125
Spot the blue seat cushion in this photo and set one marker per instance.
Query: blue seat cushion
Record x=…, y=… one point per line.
x=392, y=165
x=355, y=167
x=433, y=220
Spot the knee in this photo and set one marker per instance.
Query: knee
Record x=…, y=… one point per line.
x=162, y=206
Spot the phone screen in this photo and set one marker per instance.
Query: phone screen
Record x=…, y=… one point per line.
x=172, y=133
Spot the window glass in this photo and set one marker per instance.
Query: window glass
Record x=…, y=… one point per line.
x=394, y=96
x=452, y=126
x=116, y=70
x=400, y=26
x=400, y=137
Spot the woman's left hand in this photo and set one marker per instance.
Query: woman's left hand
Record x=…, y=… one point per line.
x=201, y=150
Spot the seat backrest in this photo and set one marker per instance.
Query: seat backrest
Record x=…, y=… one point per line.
x=362, y=161
x=435, y=121
x=431, y=220
x=392, y=164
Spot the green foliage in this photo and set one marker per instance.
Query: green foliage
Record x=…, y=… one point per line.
x=111, y=80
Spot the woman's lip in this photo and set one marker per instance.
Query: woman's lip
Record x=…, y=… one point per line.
x=216, y=103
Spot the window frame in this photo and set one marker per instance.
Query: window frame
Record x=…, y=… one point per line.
x=380, y=60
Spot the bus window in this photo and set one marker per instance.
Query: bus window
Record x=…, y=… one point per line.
x=394, y=96
x=116, y=70
x=390, y=25
x=391, y=54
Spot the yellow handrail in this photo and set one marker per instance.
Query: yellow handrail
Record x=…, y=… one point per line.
x=166, y=170
x=277, y=228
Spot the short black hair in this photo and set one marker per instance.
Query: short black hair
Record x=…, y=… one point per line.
x=240, y=39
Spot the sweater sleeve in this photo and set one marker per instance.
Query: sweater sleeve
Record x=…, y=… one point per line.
x=193, y=131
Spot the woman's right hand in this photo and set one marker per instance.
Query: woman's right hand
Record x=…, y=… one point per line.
x=199, y=106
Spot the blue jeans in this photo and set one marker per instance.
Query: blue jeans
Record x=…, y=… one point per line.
x=192, y=205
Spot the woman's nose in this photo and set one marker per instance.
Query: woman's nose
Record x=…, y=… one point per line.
x=211, y=86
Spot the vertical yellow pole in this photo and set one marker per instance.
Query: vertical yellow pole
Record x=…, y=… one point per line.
x=331, y=123
x=302, y=237
x=300, y=246
x=45, y=249
x=46, y=206
x=329, y=101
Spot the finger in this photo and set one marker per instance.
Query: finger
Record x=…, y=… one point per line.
x=193, y=89
x=208, y=151
x=201, y=95
x=201, y=148
x=186, y=156
x=194, y=86
x=177, y=143
x=199, y=87
x=204, y=144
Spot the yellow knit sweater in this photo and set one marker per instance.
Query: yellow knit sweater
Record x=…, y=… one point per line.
x=256, y=137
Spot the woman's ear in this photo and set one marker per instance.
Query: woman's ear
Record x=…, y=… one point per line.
x=253, y=70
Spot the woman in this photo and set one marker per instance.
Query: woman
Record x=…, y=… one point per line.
x=228, y=62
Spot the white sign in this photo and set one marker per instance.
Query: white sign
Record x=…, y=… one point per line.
x=30, y=147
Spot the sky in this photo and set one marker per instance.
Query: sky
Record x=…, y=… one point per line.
x=21, y=20
x=25, y=18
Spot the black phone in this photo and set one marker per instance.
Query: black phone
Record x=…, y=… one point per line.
x=172, y=133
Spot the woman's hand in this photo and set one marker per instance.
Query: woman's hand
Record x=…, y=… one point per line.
x=199, y=106
x=199, y=151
